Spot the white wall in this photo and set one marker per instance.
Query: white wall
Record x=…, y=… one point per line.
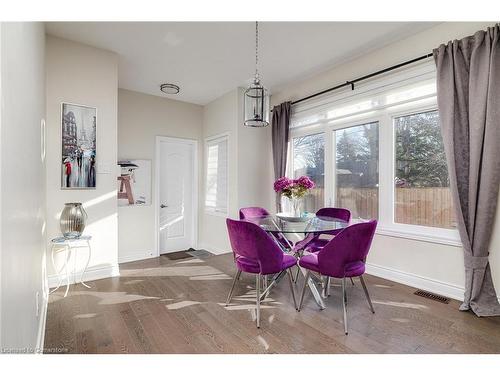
x=22, y=181
x=406, y=49
x=248, y=167
x=141, y=118
x=220, y=116
x=80, y=74
x=422, y=264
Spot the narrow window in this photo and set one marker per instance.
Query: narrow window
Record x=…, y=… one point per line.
x=216, y=175
x=356, y=168
x=422, y=186
x=309, y=160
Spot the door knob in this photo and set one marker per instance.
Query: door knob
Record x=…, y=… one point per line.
x=163, y=206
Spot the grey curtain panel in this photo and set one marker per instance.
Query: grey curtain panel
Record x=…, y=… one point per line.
x=468, y=92
x=280, y=128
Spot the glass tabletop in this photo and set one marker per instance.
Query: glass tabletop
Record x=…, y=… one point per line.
x=313, y=224
x=72, y=239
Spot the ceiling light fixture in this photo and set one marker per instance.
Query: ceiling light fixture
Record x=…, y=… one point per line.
x=169, y=88
x=256, y=103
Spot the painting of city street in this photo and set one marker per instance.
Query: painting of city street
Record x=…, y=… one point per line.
x=78, y=147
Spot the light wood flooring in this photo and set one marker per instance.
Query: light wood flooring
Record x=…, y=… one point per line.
x=177, y=306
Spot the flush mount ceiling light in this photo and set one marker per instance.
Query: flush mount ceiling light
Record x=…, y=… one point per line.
x=169, y=88
x=256, y=103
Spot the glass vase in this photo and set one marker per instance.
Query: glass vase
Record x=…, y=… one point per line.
x=296, y=207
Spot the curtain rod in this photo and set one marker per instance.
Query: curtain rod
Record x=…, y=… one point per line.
x=354, y=81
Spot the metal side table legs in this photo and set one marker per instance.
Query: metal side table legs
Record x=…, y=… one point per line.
x=68, y=245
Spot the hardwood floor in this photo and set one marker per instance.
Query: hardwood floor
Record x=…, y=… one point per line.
x=177, y=306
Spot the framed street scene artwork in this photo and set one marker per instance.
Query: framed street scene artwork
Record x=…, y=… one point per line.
x=78, y=138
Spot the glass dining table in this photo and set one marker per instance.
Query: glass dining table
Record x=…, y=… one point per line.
x=276, y=224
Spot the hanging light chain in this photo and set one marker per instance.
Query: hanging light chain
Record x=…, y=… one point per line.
x=256, y=50
x=256, y=98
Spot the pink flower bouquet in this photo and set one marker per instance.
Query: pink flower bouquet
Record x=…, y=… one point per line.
x=293, y=189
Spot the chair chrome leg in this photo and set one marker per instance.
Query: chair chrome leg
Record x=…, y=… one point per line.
x=235, y=279
x=297, y=275
x=290, y=280
x=257, y=288
x=277, y=277
x=326, y=289
x=304, y=290
x=366, y=293
x=352, y=281
x=344, y=300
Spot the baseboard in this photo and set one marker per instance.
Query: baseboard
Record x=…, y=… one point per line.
x=92, y=273
x=212, y=249
x=416, y=281
x=40, y=338
x=139, y=255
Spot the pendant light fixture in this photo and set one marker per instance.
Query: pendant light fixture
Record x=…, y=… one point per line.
x=256, y=103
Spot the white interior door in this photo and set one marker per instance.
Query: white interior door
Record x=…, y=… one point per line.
x=177, y=195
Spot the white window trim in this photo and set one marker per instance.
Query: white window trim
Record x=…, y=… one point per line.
x=389, y=226
x=384, y=116
x=422, y=72
x=209, y=210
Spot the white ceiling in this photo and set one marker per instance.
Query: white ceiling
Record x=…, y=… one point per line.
x=208, y=59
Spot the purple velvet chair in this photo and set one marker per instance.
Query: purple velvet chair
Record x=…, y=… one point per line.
x=312, y=242
x=247, y=213
x=256, y=252
x=343, y=256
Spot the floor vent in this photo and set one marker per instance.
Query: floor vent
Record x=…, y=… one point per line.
x=432, y=296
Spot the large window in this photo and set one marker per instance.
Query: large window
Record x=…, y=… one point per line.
x=378, y=151
x=422, y=194
x=216, y=175
x=309, y=160
x=356, y=170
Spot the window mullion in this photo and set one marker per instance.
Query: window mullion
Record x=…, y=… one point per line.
x=386, y=156
x=330, y=168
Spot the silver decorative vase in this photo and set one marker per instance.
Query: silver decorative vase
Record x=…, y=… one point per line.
x=73, y=218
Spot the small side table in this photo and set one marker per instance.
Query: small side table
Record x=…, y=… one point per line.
x=67, y=245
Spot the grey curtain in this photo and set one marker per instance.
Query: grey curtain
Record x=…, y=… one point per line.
x=280, y=129
x=468, y=92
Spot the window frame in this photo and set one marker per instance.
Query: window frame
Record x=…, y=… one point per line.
x=386, y=205
x=208, y=141
x=345, y=125
x=391, y=227
x=291, y=157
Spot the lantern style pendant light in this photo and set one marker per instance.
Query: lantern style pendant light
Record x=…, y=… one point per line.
x=256, y=103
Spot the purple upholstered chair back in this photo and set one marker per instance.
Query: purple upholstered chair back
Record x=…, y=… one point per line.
x=249, y=212
x=254, y=249
x=253, y=212
x=338, y=213
x=346, y=253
